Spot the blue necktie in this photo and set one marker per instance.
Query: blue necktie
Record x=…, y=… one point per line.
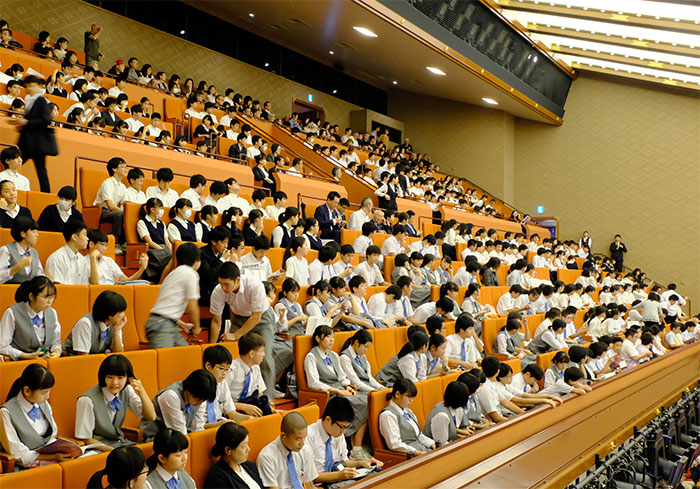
x=25, y=254
x=323, y=310
x=188, y=409
x=246, y=385
x=104, y=335
x=173, y=483
x=327, y=361
x=433, y=362
x=405, y=415
x=115, y=404
x=464, y=350
x=37, y=321
x=358, y=362
x=328, y=464
x=364, y=308
x=293, y=308
x=405, y=309
x=512, y=343
x=34, y=413
x=211, y=412
x=293, y=478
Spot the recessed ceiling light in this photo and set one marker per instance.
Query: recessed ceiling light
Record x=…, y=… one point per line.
x=364, y=31
x=489, y=101
x=435, y=71
x=335, y=91
x=251, y=15
x=331, y=52
x=182, y=32
x=395, y=82
x=267, y=64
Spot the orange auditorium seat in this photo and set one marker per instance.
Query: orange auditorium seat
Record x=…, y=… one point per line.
x=46, y=476
x=72, y=303
x=12, y=371
x=37, y=201
x=175, y=364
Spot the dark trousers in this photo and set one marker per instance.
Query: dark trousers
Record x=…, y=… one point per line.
x=116, y=218
x=618, y=264
x=41, y=173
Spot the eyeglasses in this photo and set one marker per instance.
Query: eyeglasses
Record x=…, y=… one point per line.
x=341, y=427
x=224, y=369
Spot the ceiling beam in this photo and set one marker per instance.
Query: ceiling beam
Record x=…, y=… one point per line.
x=617, y=58
x=635, y=76
x=646, y=44
x=613, y=17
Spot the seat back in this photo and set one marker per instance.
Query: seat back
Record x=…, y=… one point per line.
x=37, y=201
x=47, y=244
x=89, y=184
x=310, y=412
x=376, y=402
x=431, y=393
x=145, y=367
x=72, y=302
x=74, y=376
x=175, y=364
x=275, y=255
x=489, y=330
x=302, y=346
x=46, y=476
x=131, y=219
x=265, y=429
x=200, y=452
x=384, y=346
x=11, y=371
x=144, y=300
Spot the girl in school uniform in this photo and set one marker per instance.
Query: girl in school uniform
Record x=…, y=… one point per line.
x=19, y=261
x=180, y=229
x=101, y=410
x=282, y=348
x=30, y=329
x=509, y=341
x=26, y=418
x=9, y=209
x=296, y=319
x=169, y=460
x=99, y=331
x=206, y=221
x=399, y=426
x=451, y=291
x=311, y=228
x=323, y=372
x=295, y=264
x=556, y=371
x=284, y=231
x=253, y=226
x=320, y=293
x=420, y=292
x=232, y=219
x=549, y=340
x=427, y=269
x=409, y=362
x=125, y=468
x=353, y=361
x=443, y=273
x=446, y=420
x=151, y=230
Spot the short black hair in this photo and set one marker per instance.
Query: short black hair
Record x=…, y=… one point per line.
x=9, y=153
x=197, y=180
x=572, y=374
x=456, y=395
x=201, y=385
x=534, y=370
x=72, y=227
x=118, y=365
x=164, y=175
x=338, y=408
x=134, y=174
x=434, y=324
x=107, y=304
x=20, y=225
x=187, y=254
x=490, y=366
x=216, y=355
x=229, y=271
x=113, y=163
x=249, y=342
x=68, y=193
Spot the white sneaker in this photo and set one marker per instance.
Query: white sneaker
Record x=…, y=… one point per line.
x=119, y=249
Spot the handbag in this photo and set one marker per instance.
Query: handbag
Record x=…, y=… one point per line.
x=46, y=142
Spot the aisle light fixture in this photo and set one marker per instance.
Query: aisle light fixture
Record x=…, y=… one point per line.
x=364, y=31
x=251, y=15
x=489, y=101
x=435, y=71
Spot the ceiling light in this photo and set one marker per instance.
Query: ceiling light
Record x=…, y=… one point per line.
x=267, y=64
x=182, y=32
x=364, y=31
x=489, y=101
x=395, y=82
x=435, y=71
x=335, y=91
x=331, y=52
x=251, y=15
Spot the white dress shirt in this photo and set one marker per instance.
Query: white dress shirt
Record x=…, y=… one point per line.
x=371, y=274
x=357, y=219
x=489, y=397
x=68, y=267
x=136, y=196
x=5, y=263
x=378, y=308
x=440, y=424
x=21, y=182
x=252, y=267
x=174, y=417
x=168, y=198
x=346, y=365
x=319, y=271
x=454, y=348
x=297, y=269
x=108, y=271
x=272, y=464
x=249, y=298
x=82, y=335
x=7, y=332
x=174, y=232
x=179, y=287
x=389, y=428
x=413, y=366
x=232, y=200
x=391, y=246
x=111, y=189
x=317, y=438
x=236, y=379
x=361, y=244
x=19, y=450
x=192, y=196
x=85, y=414
x=311, y=370
x=424, y=311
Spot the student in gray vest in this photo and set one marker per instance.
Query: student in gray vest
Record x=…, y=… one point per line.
x=19, y=261
x=448, y=420
x=323, y=372
x=100, y=411
x=509, y=341
x=547, y=340
x=26, y=419
x=99, y=331
x=125, y=467
x=354, y=362
x=30, y=329
x=168, y=461
x=409, y=362
x=399, y=426
x=188, y=397
x=348, y=321
x=475, y=419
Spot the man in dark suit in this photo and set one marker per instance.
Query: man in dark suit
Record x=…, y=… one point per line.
x=238, y=150
x=617, y=252
x=110, y=115
x=37, y=139
x=329, y=219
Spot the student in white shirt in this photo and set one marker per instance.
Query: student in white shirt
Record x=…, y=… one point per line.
x=320, y=292
x=507, y=302
x=361, y=243
x=296, y=266
x=30, y=328
x=464, y=347
x=217, y=360
x=380, y=306
x=354, y=362
x=195, y=194
x=180, y=227
x=409, y=362
x=19, y=261
x=99, y=331
x=279, y=204
x=369, y=270
x=629, y=350
x=108, y=272
x=326, y=438
x=399, y=426
x=287, y=462
x=28, y=402
x=66, y=265
x=169, y=460
x=12, y=160
x=570, y=383
x=255, y=264
x=549, y=339
x=446, y=421
x=492, y=400
x=133, y=193
x=673, y=338
x=134, y=122
x=117, y=391
x=233, y=199
x=162, y=190
x=443, y=308
x=179, y=293
x=154, y=128
x=111, y=196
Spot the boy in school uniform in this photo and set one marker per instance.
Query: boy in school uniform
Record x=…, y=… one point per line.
x=369, y=270
x=343, y=267
x=217, y=361
x=287, y=462
x=491, y=400
x=162, y=190
x=182, y=405
x=19, y=261
x=178, y=294
x=570, y=383
x=11, y=158
x=108, y=272
x=110, y=197
x=327, y=441
x=135, y=177
x=508, y=301
x=396, y=243
x=244, y=380
x=53, y=217
x=195, y=194
x=66, y=265
x=361, y=243
x=464, y=347
x=380, y=306
x=250, y=311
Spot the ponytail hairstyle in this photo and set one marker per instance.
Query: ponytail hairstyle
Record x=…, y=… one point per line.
x=288, y=213
x=289, y=285
x=320, y=286
x=179, y=204
x=320, y=333
x=35, y=377
x=417, y=340
x=165, y=443
x=448, y=287
x=294, y=244
x=205, y=212
x=253, y=216
x=150, y=204
x=403, y=386
x=229, y=435
x=362, y=336
x=123, y=465
x=34, y=287
x=427, y=260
